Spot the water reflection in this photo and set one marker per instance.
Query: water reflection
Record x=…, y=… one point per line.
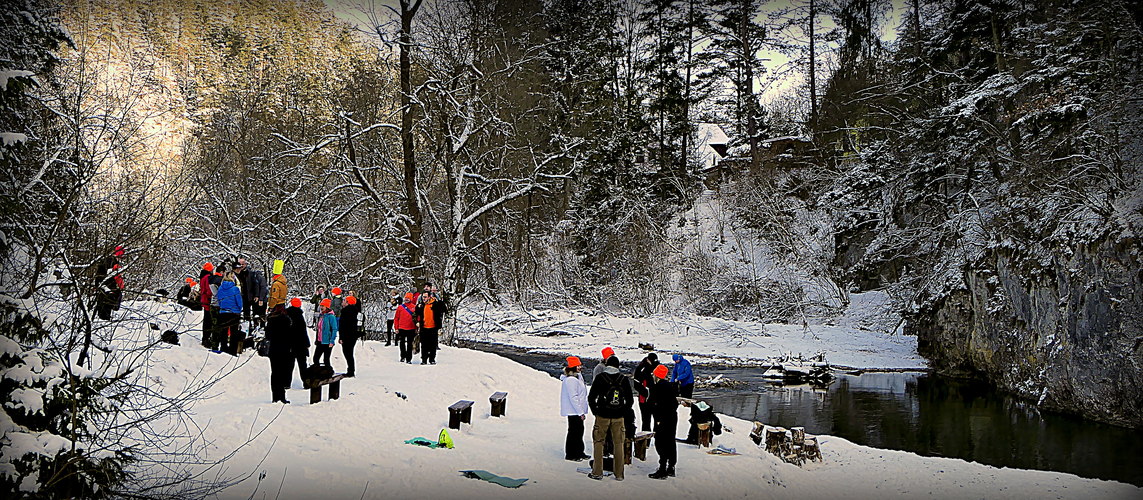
x=920, y=413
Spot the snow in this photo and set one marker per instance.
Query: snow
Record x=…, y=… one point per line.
x=354, y=447
x=12, y=138
x=861, y=338
x=8, y=74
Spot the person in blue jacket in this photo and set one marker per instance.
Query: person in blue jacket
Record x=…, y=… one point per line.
x=326, y=332
x=228, y=335
x=683, y=375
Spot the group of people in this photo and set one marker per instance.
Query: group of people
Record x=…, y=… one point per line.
x=611, y=401
x=230, y=292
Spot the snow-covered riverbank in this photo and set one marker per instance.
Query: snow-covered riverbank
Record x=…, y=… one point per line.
x=354, y=447
x=862, y=338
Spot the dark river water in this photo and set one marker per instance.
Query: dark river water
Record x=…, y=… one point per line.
x=920, y=413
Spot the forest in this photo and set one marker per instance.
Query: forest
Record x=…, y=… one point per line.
x=979, y=160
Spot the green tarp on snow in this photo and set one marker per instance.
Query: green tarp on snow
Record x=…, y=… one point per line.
x=493, y=478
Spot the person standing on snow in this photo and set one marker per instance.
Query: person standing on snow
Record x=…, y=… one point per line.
x=278, y=333
x=299, y=336
x=683, y=375
x=326, y=333
x=278, y=288
x=664, y=407
x=229, y=335
x=336, y=301
x=431, y=312
x=405, y=321
x=259, y=293
x=394, y=303
x=205, y=294
x=573, y=405
x=643, y=380
x=609, y=400
x=347, y=326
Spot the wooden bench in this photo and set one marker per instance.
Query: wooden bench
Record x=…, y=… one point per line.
x=334, y=384
x=499, y=400
x=460, y=411
x=642, y=441
x=704, y=434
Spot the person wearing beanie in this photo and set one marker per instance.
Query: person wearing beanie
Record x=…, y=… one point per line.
x=326, y=333
x=663, y=397
x=609, y=400
x=643, y=380
x=605, y=354
x=299, y=336
x=187, y=295
x=431, y=311
x=278, y=332
x=573, y=406
x=278, y=291
x=683, y=375
x=405, y=321
x=336, y=301
x=347, y=324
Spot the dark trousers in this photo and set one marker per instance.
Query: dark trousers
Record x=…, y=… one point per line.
x=405, y=343
x=665, y=442
x=645, y=416
x=388, y=332
x=281, y=373
x=347, y=344
x=573, y=447
x=207, y=328
x=303, y=356
x=227, y=334
x=322, y=350
x=429, y=344
x=259, y=314
x=687, y=391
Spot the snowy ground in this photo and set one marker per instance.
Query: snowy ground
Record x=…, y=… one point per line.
x=354, y=447
x=861, y=338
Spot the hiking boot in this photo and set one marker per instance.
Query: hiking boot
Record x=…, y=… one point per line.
x=671, y=471
x=659, y=474
x=617, y=478
x=595, y=477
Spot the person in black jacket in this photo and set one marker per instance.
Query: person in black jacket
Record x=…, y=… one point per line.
x=278, y=333
x=348, y=331
x=609, y=400
x=299, y=337
x=664, y=407
x=702, y=413
x=643, y=380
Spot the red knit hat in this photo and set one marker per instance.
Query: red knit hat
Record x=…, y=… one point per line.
x=336, y=290
x=190, y=281
x=608, y=352
x=295, y=302
x=351, y=300
x=661, y=371
x=573, y=362
x=118, y=251
x=208, y=267
x=325, y=303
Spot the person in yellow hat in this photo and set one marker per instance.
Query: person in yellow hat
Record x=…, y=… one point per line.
x=278, y=288
x=573, y=406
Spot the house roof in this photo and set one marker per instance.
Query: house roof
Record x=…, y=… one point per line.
x=710, y=133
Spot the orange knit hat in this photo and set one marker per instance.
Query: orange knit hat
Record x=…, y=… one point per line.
x=573, y=362
x=661, y=371
x=409, y=297
x=351, y=300
x=325, y=303
x=295, y=302
x=190, y=281
x=208, y=267
x=336, y=290
x=608, y=352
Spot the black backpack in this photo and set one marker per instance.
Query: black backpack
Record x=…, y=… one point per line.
x=612, y=397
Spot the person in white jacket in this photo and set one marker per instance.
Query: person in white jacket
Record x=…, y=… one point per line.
x=573, y=405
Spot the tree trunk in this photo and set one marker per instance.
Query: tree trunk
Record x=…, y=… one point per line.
x=812, y=69
x=414, y=251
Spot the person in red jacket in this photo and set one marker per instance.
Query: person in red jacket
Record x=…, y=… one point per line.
x=405, y=321
x=204, y=296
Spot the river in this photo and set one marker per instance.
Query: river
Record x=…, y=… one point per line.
x=917, y=412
